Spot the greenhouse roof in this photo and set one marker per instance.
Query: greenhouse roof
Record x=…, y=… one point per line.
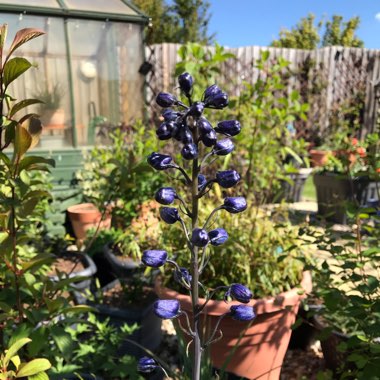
x=115, y=10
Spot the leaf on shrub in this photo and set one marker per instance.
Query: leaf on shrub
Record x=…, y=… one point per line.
x=33, y=367
x=37, y=261
x=22, y=104
x=12, y=351
x=14, y=68
x=22, y=142
x=23, y=36
x=39, y=376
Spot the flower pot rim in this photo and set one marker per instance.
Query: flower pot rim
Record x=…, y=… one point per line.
x=110, y=256
x=263, y=305
x=82, y=208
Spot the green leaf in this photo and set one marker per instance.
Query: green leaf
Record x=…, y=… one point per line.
x=14, y=68
x=39, y=260
x=24, y=103
x=39, y=376
x=33, y=367
x=14, y=349
x=16, y=361
x=29, y=162
x=79, y=309
x=22, y=143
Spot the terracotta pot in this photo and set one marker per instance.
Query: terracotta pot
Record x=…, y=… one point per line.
x=53, y=118
x=260, y=352
x=86, y=216
x=319, y=157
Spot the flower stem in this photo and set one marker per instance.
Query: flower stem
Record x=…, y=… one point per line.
x=197, y=351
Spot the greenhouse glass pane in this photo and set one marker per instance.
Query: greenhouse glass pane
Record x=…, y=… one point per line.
x=33, y=3
x=48, y=80
x=105, y=58
x=103, y=6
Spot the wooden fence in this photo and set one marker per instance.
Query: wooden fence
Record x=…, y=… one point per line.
x=345, y=73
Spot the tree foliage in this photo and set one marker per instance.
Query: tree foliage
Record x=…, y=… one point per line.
x=308, y=35
x=181, y=21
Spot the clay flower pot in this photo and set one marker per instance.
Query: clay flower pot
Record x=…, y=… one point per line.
x=319, y=157
x=260, y=352
x=86, y=216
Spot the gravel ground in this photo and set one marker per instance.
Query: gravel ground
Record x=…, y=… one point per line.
x=298, y=364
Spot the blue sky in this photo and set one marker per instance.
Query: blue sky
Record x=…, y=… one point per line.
x=258, y=22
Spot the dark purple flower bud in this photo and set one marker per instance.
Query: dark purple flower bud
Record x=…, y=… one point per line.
x=223, y=147
x=196, y=109
x=234, y=205
x=242, y=313
x=185, y=82
x=199, y=237
x=169, y=114
x=218, y=101
x=165, y=100
x=154, y=258
x=204, y=126
x=210, y=92
x=209, y=139
x=189, y=152
x=164, y=131
x=167, y=309
x=185, y=135
x=227, y=178
x=240, y=292
x=218, y=236
x=182, y=275
x=165, y=195
x=169, y=215
x=228, y=127
x=201, y=181
x=146, y=365
x=159, y=161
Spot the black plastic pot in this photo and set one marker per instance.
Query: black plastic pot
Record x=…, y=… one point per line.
x=334, y=358
x=335, y=190
x=81, y=287
x=305, y=334
x=148, y=335
x=121, y=268
x=292, y=191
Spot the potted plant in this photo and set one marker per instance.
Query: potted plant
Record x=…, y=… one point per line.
x=350, y=175
x=197, y=313
x=347, y=282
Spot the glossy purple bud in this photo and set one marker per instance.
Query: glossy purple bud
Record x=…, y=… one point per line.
x=223, y=147
x=218, y=236
x=234, y=205
x=169, y=114
x=167, y=309
x=189, y=152
x=185, y=135
x=228, y=127
x=146, y=365
x=204, y=126
x=218, y=101
x=165, y=100
x=159, y=161
x=169, y=215
x=239, y=292
x=185, y=82
x=199, y=237
x=227, y=178
x=209, y=139
x=210, y=92
x=196, y=109
x=165, y=195
x=201, y=181
x=164, y=131
x=154, y=258
x=182, y=275
x=242, y=313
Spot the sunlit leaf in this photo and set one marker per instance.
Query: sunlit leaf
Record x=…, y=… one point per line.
x=14, y=68
x=24, y=35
